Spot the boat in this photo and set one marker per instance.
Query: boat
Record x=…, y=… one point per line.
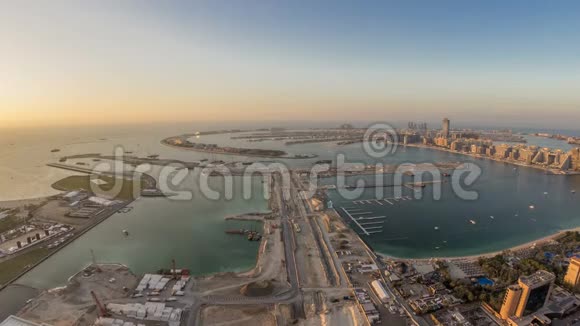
x=472, y=222
x=491, y=217
x=545, y=192
x=436, y=228
x=236, y=231
x=532, y=206
x=573, y=191
x=126, y=233
x=323, y=162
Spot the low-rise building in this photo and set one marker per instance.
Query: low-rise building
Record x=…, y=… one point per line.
x=17, y=321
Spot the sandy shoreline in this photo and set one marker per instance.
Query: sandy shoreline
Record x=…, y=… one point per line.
x=223, y=152
x=529, y=244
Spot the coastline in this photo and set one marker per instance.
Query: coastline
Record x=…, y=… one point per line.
x=98, y=221
x=518, y=163
x=256, y=269
x=286, y=156
x=533, y=243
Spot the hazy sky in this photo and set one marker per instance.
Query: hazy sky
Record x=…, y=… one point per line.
x=139, y=61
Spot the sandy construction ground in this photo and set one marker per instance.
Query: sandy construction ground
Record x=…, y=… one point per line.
x=55, y=211
x=308, y=257
x=269, y=266
x=238, y=316
x=67, y=306
x=343, y=315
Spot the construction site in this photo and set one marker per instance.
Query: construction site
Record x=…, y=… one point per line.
x=298, y=278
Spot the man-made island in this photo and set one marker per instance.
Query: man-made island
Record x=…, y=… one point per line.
x=476, y=143
x=183, y=142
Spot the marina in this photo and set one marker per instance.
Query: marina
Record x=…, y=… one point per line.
x=450, y=226
x=364, y=227
x=390, y=201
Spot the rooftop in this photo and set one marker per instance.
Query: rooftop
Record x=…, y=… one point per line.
x=538, y=278
x=16, y=321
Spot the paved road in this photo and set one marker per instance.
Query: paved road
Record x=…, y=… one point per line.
x=290, y=252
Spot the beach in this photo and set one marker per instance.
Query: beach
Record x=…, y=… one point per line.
x=534, y=243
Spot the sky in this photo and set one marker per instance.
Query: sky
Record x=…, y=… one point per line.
x=109, y=61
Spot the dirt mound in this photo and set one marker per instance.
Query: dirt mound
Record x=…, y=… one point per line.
x=257, y=289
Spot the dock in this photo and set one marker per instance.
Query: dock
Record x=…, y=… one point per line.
x=390, y=201
x=367, y=228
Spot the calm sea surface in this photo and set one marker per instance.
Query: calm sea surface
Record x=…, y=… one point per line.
x=192, y=232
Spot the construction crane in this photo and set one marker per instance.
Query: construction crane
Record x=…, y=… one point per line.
x=94, y=259
x=174, y=271
x=102, y=311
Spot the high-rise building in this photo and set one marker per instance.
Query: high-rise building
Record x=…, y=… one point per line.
x=575, y=159
x=503, y=151
x=528, y=296
x=446, y=126
x=573, y=274
x=510, y=301
x=535, y=292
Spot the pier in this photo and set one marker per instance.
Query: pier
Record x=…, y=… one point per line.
x=390, y=201
x=367, y=228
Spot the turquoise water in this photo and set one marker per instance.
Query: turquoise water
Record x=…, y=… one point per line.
x=545, y=142
x=428, y=227
x=192, y=231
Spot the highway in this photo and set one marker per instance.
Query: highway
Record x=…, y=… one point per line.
x=290, y=248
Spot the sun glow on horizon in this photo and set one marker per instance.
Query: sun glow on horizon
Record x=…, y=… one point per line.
x=108, y=63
